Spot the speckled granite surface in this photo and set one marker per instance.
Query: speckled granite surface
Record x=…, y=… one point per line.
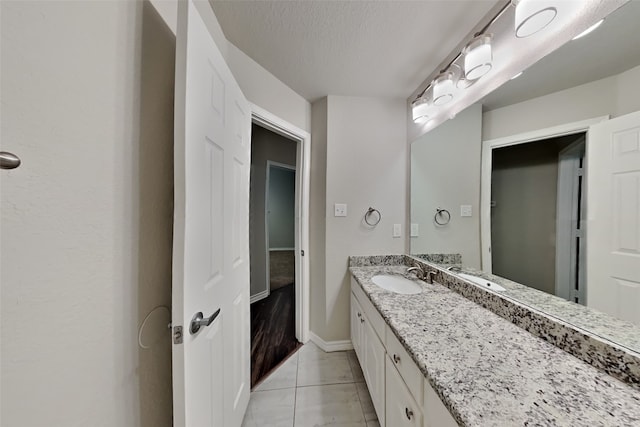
x=623, y=333
x=490, y=372
x=614, y=359
x=369, y=260
x=441, y=258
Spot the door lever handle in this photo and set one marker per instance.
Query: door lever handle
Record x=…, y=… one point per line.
x=198, y=321
x=8, y=160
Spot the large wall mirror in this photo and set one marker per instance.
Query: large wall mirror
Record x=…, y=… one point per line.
x=513, y=183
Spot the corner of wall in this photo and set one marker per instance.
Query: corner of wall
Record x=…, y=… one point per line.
x=317, y=226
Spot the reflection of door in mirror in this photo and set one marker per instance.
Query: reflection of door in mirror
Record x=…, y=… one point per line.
x=536, y=232
x=613, y=211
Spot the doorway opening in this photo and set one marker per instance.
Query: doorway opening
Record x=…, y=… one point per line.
x=537, y=215
x=569, y=256
x=278, y=230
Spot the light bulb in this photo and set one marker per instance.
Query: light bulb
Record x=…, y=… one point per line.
x=443, y=89
x=477, y=57
x=533, y=15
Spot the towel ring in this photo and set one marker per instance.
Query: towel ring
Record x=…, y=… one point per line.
x=442, y=213
x=368, y=214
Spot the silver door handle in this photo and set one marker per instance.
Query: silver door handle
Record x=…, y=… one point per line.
x=198, y=321
x=8, y=160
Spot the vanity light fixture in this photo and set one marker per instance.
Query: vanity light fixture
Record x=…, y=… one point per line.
x=478, y=58
x=533, y=15
x=420, y=110
x=588, y=30
x=443, y=88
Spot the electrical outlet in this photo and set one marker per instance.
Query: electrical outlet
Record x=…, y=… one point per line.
x=397, y=230
x=415, y=230
x=340, y=209
x=465, y=210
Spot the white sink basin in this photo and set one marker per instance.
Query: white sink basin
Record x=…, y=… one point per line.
x=488, y=284
x=397, y=284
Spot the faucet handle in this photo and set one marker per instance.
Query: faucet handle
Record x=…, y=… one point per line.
x=429, y=275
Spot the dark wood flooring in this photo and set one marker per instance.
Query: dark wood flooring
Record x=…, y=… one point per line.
x=273, y=331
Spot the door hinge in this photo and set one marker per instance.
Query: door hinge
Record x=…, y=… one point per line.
x=302, y=252
x=177, y=334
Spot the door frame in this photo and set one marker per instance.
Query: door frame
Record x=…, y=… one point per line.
x=270, y=164
x=269, y=121
x=486, y=169
x=570, y=200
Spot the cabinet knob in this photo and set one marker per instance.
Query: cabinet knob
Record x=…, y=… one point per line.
x=396, y=358
x=362, y=320
x=359, y=314
x=408, y=412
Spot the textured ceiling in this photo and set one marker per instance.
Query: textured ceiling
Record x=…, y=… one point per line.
x=356, y=48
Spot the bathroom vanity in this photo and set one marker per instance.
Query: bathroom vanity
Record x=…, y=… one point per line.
x=438, y=358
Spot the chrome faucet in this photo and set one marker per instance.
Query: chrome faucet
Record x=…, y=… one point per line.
x=419, y=271
x=429, y=276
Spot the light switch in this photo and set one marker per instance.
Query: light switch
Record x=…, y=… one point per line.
x=340, y=209
x=397, y=230
x=465, y=210
x=414, y=230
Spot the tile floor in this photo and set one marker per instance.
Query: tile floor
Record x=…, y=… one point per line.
x=313, y=388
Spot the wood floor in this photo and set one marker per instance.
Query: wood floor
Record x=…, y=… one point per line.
x=273, y=331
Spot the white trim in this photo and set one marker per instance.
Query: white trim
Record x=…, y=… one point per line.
x=485, y=175
x=275, y=124
x=331, y=346
x=260, y=295
x=567, y=259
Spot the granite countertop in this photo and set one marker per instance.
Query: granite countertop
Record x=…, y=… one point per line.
x=604, y=325
x=490, y=372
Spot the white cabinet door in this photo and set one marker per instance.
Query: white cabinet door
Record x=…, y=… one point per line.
x=211, y=239
x=373, y=368
x=613, y=215
x=401, y=408
x=356, y=327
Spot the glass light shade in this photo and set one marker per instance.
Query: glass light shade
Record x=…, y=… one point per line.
x=588, y=30
x=420, y=110
x=533, y=15
x=443, y=89
x=478, y=58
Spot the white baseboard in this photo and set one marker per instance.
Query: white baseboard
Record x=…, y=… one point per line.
x=258, y=296
x=330, y=346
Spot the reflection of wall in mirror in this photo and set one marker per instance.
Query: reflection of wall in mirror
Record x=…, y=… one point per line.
x=615, y=95
x=445, y=173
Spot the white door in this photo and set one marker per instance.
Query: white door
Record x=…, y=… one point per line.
x=211, y=232
x=613, y=215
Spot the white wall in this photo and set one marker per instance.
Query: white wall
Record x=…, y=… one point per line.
x=265, y=145
x=317, y=217
x=616, y=95
x=445, y=173
x=87, y=91
x=366, y=166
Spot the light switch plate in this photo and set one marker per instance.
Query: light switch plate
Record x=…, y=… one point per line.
x=415, y=230
x=465, y=210
x=397, y=230
x=340, y=209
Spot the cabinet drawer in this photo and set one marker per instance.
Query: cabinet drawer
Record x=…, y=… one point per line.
x=403, y=362
x=401, y=408
x=377, y=322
